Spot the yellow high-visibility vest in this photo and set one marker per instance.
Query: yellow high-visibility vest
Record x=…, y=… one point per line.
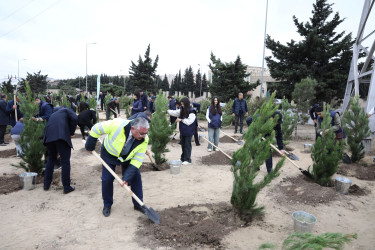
x=115, y=140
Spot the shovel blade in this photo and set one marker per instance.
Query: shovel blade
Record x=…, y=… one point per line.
x=202, y=129
x=293, y=157
x=306, y=173
x=152, y=215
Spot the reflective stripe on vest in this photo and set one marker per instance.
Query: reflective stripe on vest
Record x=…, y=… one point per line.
x=108, y=142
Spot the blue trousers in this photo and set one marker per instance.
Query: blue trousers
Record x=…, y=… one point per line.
x=58, y=147
x=107, y=179
x=269, y=164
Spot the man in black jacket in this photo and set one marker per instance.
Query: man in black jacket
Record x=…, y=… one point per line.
x=4, y=118
x=57, y=138
x=111, y=107
x=101, y=98
x=144, y=99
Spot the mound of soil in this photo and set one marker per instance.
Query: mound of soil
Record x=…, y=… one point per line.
x=357, y=171
x=8, y=153
x=216, y=158
x=357, y=191
x=9, y=184
x=148, y=166
x=300, y=189
x=189, y=227
x=226, y=139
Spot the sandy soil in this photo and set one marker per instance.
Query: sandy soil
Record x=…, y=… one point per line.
x=38, y=219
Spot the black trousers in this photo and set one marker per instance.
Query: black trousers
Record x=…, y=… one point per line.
x=58, y=147
x=2, y=132
x=240, y=118
x=172, y=119
x=186, y=148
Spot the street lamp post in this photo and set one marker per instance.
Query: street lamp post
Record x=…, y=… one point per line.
x=86, y=63
x=264, y=48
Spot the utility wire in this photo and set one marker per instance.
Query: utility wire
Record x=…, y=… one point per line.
x=11, y=14
x=19, y=26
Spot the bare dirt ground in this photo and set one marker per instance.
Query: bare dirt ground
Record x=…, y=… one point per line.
x=200, y=193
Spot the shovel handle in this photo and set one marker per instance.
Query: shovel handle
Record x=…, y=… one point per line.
x=278, y=151
x=152, y=161
x=114, y=112
x=229, y=136
x=116, y=176
x=217, y=148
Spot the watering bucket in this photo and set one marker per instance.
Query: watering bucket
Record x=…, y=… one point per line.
x=174, y=167
x=342, y=184
x=28, y=180
x=307, y=148
x=303, y=222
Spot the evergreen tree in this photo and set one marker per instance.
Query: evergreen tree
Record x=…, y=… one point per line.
x=322, y=54
x=32, y=136
x=160, y=131
x=164, y=84
x=37, y=83
x=247, y=160
x=290, y=119
x=205, y=87
x=326, y=152
x=7, y=87
x=356, y=127
x=198, y=83
x=188, y=81
x=143, y=73
x=228, y=79
x=303, y=95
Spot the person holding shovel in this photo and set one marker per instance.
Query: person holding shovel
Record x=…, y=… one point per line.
x=125, y=144
x=111, y=107
x=335, y=124
x=214, y=118
x=186, y=118
x=11, y=109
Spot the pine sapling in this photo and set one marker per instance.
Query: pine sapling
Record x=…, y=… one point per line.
x=290, y=120
x=326, y=152
x=356, y=127
x=32, y=136
x=160, y=131
x=247, y=160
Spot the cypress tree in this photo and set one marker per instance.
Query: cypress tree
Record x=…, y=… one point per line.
x=160, y=131
x=356, y=127
x=247, y=160
x=326, y=152
x=32, y=136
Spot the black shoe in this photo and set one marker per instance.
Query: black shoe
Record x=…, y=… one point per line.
x=46, y=188
x=83, y=138
x=69, y=189
x=140, y=209
x=6, y=142
x=177, y=143
x=106, y=211
x=197, y=144
x=3, y=144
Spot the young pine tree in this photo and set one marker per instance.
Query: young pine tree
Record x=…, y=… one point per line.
x=32, y=136
x=160, y=131
x=247, y=160
x=355, y=124
x=289, y=120
x=326, y=152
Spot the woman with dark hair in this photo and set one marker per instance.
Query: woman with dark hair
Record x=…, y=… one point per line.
x=186, y=118
x=137, y=104
x=214, y=118
x=85, y=117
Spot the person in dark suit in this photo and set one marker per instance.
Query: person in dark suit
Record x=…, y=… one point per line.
x=101, y=98
x=57, y=138
x=45, y=110
x=85, y=117
x=4, y=119
x=10, y=109
x=144, y=99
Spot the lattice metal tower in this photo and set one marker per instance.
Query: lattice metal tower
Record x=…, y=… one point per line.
x=366, y=74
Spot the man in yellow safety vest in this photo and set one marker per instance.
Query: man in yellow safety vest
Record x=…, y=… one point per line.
x=125, y=144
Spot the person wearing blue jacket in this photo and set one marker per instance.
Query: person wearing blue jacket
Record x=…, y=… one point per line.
x=172, y=106
x=16, y=135
x=197, y=109
x=59, y=129
x=45, y=110
x=186, y=118
x=146, y=115
x=10, y=109
x=144, y=100
x=239, y=109
x=151, y=104
x=214, y=118
x=137, y=104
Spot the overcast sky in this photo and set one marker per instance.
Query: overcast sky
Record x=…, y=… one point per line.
x=52, y=34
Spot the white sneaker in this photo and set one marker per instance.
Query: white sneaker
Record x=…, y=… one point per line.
x=185, y=163
x=209, y=150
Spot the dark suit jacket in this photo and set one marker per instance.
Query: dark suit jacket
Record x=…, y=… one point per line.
x=4, y=115
x=60, y=126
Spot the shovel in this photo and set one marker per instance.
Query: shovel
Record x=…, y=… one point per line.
x=238, y=141
x=204, y=138
x=115, y=112
x=291, y=156
x=304, y=172
x=153, y=164
x=201, y=129
x=150, y=212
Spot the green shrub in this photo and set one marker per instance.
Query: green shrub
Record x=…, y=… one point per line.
x=228, y=119
x=204, y=105
x=290, y=119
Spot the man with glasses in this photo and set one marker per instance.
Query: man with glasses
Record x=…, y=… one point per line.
x=125, y=144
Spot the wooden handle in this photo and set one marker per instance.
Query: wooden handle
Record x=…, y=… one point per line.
x=228, y=135
x=278, y=151
x=116, y=176
x=217, y=148
x=151, y=159
x=114, y=112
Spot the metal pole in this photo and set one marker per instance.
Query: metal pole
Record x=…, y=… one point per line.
x=264, y=48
